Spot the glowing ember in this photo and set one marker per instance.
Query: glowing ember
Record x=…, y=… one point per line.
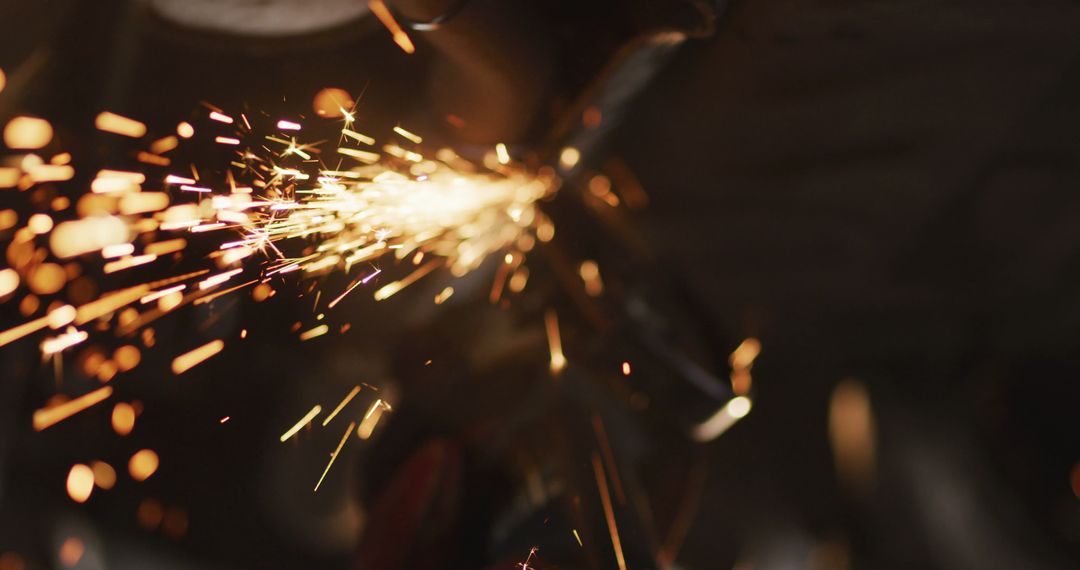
x=189, y=360
x=348, y=398
x=558, y=360
x=123, y=418
x=80, y=483
x=117, y=124
x=383, y=14
x=47, y=417
x=300, y=424
x=104, y=475
x=27, y=133
x=143, y=464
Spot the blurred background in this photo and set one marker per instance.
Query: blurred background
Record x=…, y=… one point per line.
x=872, y=205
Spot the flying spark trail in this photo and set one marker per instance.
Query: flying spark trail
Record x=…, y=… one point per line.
x=609, y=512
x=348, y=398
x=47, y=417
x=371, y=419
x=334, y=457
x=277, y=211
x=300, y=424
x=558, y=360
x=91, y=270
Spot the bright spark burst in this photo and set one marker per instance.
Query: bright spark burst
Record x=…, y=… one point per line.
x=279, y=210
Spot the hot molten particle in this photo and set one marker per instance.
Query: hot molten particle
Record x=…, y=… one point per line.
x=143, y=464
x=80, y=482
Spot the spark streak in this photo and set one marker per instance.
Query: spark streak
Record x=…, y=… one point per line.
x=300, y=424
x=609, y=512
x=117, y=124
x=558, y=359
x=400, y=37
x=190, y=359
x=371, y=419
x=334, y=457
x=348, y=398
x=47, y=417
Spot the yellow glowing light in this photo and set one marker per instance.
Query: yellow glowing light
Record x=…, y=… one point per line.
x=558, y=360
x=185, y=130
x=444, y=295
x=371, y=419
x=39, y=223
x=332, y=103
x=334, y=456
x=348, y=398
x=400, y=37
x=190, y=359
x=743, y=356
x=502, y=153
x=104, y=475
x=300, y=424
x=9, y=281
x=569, y=157
x=734, y=410
x=27, y=133
x=120, y=125
x=590, y=274
x=80, y=482
x=315, y=332
x=408, y=135
x=47, y=417
x=123, y=418
x=127, y=357
x=143, y=464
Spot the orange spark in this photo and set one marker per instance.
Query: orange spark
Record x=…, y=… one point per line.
x=190, y=359
x=558, y=359
x=609, y=512
x=400, y=37
x=47, y=417
x=120, y=125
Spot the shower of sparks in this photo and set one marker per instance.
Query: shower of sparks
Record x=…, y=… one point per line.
x=334, y=456
x=348, y=398
x=300, y=424
x=153, y=234
x=284, y=209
